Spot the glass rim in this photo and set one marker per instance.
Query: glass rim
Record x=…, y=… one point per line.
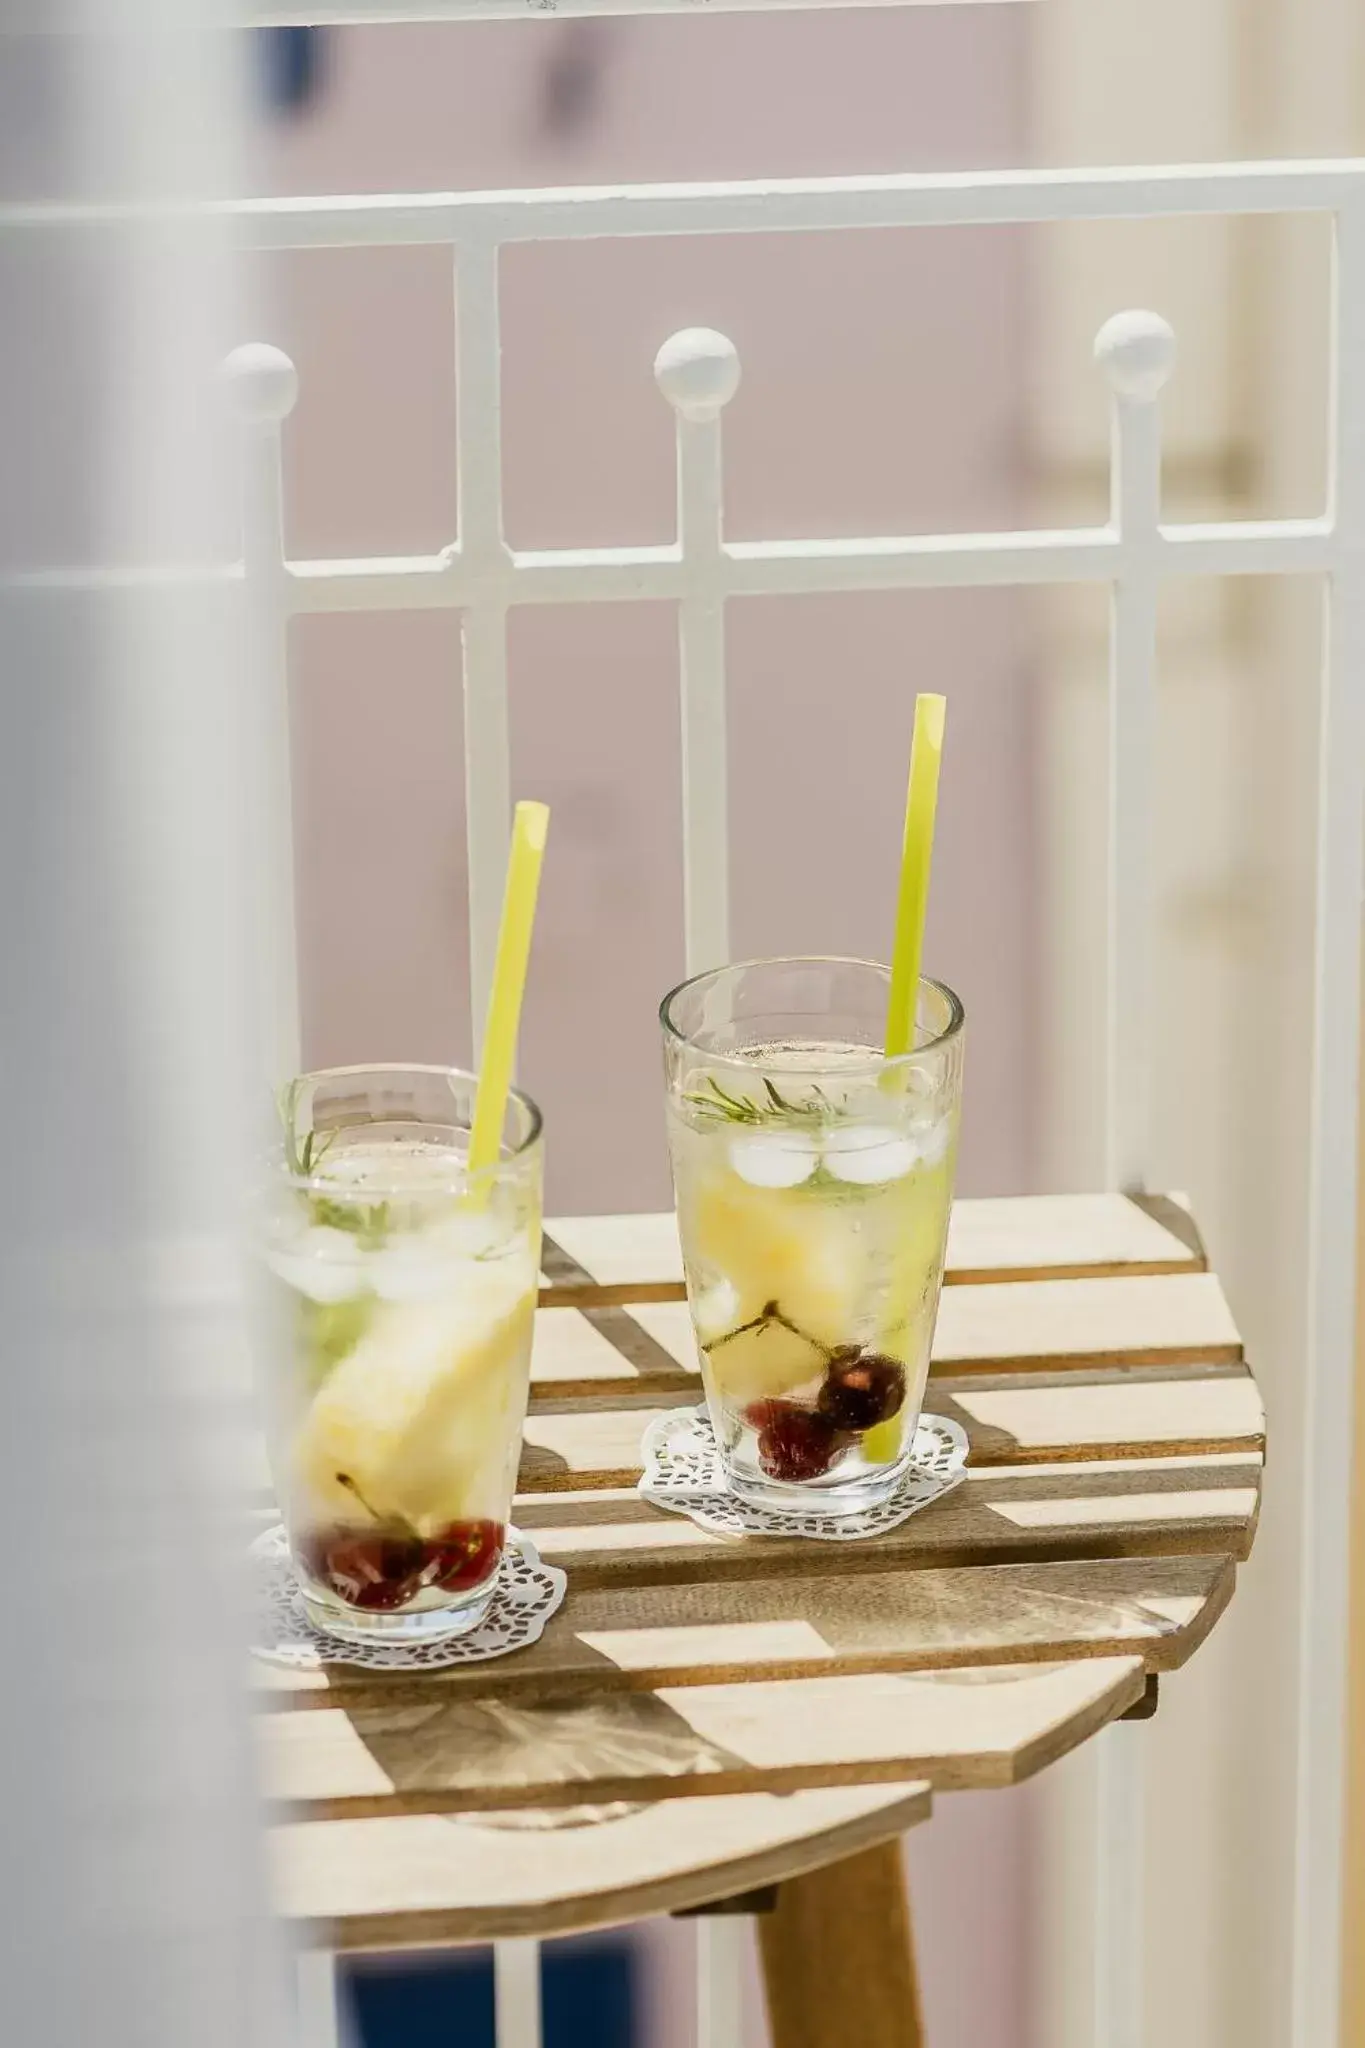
x=877, y=1062
x=322, y=1184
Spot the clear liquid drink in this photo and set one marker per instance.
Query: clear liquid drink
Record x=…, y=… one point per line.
x=813, y=1181
x=404, y=1293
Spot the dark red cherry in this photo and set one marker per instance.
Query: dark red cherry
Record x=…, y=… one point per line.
x=761, y=1414
x=861, y=1389
x=369, y=1569
x=384, y=1568
x=796, y=1444
x=467, y=1553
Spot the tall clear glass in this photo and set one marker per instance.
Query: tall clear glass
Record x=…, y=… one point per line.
x=404, y=1293
x=813, y=1179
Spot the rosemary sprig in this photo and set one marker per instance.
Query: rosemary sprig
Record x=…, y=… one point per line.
x=724, y=1107
x=301, y=1158
x=368, y=1222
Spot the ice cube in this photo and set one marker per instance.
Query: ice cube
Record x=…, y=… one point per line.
x=866, y=1155
x=410, y=1272
x=716, y=1310
x=931, y=1142
x=323, y=1263
x=475, y=1234
x=775, y=1159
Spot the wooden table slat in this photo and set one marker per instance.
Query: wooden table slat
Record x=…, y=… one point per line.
x=998, y=1515
x=636, y=1638
x=637, y=1258
x=420, y=1880
x=1009, y=1419
x=957, y=1729
x=1019, y=1324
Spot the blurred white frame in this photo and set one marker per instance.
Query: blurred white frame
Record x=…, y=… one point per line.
x=1136, y=80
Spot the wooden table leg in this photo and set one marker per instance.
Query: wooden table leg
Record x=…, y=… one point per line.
x=839, y=1957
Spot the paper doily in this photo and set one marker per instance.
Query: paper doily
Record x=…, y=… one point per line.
x=683, y=1472
x=527, y=1594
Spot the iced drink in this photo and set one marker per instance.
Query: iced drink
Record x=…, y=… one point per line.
x=404, y=1297
x=813, y=1181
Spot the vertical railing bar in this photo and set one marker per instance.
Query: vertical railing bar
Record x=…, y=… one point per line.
x=322, y=2021
x=487, y=741
x=488, y=794
x=1136, y=351
x=698, y=372
x=488, y=786
x=706, y=910
x=1329, y=1364
x=516, y=1983
x=1119, y=1915
x=722, y=1952
x=264, y=386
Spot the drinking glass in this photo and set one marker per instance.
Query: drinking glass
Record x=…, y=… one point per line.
x=404, y=1292
x=813, y=1179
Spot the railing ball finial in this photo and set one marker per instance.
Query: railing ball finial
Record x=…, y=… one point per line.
x=1136, y=351
x=698, y=372
x=263, y=383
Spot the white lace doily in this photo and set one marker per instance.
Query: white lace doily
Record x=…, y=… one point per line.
x=527, y=1594
x=683, y=1472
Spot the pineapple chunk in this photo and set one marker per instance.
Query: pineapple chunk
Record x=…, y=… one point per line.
x=771, y=1245
x=762, y=1363
x=423, y=1416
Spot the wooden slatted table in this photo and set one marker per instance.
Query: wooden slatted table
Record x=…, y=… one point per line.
x=708, y=1715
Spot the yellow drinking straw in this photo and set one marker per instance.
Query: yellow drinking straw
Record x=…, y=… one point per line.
x=883, y=1442
x=917, y=852
x=529, y=827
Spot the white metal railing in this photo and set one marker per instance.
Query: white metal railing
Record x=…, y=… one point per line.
x=698, y=370
x=482, y=578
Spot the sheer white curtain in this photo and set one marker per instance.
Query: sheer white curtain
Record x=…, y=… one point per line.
x=130, y=1853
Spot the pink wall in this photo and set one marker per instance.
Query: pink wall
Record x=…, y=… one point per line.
x=882, y=390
